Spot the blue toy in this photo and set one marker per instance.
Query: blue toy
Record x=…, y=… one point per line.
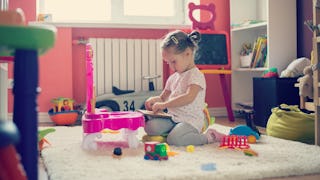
x=245, y=130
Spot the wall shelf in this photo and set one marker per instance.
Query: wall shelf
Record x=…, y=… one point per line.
x=277, y=20
x=261, y=25
x=251, y=69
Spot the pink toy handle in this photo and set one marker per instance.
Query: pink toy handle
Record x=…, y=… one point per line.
x=89, y=68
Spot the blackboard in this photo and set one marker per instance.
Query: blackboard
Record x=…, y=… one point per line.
x=213, y=51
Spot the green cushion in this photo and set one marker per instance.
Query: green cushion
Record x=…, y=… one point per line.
x=36, y=37
x=291, y=125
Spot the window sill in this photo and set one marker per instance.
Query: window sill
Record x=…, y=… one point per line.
x=113, y=25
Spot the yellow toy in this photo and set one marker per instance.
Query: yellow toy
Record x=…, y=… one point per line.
x=190, y=148
x=208, y=119
x=161, y=139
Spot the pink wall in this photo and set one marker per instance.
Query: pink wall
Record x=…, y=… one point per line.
x=55, y=72
x=55, y=66
x=28, y=7
x=62, y=68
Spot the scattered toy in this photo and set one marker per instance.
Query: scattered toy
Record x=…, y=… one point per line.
x=208, y=167
x=249, y=152
x=117, y=152
x=190, y=148
x=169, y=152
x=41, y=139
x=155, y=151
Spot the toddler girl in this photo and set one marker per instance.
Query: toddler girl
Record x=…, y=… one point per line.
x=183, y=95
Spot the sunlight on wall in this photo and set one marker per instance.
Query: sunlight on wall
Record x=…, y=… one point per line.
x=142, y=7
x=116, y=11
x=76, y=10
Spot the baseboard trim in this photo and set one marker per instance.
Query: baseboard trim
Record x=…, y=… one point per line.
x=218, y=112
x=43, y=117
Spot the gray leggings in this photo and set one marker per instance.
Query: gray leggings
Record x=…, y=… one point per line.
x=179, y=134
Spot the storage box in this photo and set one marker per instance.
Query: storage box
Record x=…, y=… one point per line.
x=271, y=92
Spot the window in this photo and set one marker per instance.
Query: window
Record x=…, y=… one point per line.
x=117, y=11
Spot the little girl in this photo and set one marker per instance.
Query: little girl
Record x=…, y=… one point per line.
x=183, y=95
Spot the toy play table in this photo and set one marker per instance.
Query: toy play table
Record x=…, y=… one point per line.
x=94, y=123
x=24, y=44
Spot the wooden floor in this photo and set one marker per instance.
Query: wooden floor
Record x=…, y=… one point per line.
x=222, y=121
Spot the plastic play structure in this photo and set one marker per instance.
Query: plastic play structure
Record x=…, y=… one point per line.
x=63, y=111
x=62, y=104
x=95, y=120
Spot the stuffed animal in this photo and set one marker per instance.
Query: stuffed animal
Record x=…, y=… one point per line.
x=295, y=68
x=306, y=83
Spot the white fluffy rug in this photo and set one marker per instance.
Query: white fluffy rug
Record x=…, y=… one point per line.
x=65, y=159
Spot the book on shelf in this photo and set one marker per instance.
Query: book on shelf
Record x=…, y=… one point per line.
x=152, y=114
x=259, y=41
x=259, y=52
x=254, y=52
x=262, y=54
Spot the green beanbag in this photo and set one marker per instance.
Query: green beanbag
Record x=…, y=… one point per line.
x=289, y=122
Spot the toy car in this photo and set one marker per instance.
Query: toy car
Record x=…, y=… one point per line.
x=128, y=101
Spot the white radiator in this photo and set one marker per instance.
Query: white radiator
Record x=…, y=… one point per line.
x=124, y=62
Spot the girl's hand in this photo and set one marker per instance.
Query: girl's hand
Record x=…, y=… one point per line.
x=158, y=106
x=150, y=101
x=148, y=105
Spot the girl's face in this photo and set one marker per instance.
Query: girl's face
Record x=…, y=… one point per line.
x=178, y=62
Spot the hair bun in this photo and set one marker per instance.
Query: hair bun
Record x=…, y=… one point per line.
x=195, y=36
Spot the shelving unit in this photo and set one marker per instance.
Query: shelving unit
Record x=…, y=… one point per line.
x=260, y=25
x=316, y=73
x=277, y=19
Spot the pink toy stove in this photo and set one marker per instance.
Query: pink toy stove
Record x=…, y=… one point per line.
x=95, y=120
x=94, y=123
